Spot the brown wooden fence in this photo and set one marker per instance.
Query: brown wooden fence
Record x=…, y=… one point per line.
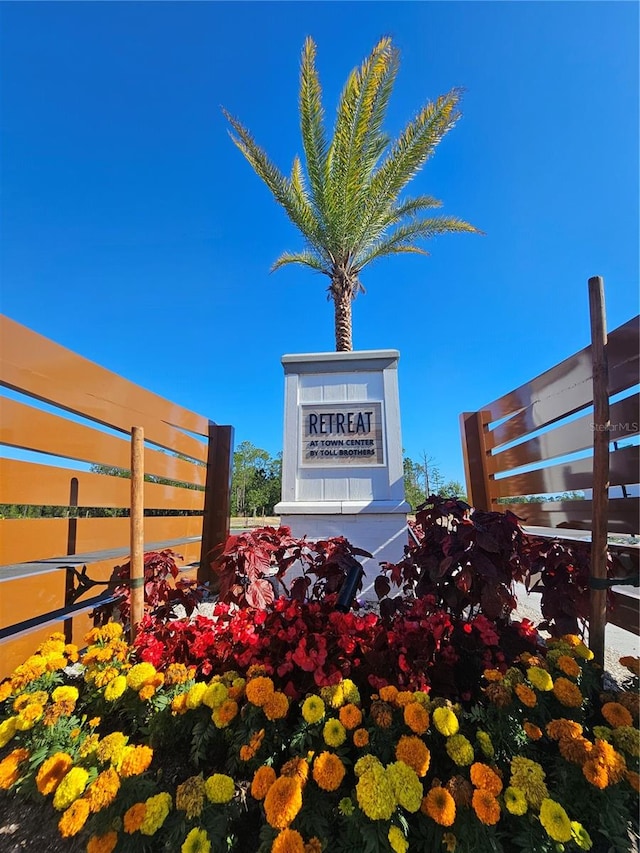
x=518, y=446
x=39, y=557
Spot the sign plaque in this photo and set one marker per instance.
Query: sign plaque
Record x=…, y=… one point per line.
x=342, y=434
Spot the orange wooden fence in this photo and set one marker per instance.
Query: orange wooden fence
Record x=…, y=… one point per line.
x=33, y=586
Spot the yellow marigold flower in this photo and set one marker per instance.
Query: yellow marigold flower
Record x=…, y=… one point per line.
x=555, y=820
x=179, y=704
x=135, y=760
x=263, y=779
x=313, y=709
x=177, y=673
x=532, y=731
x=28, y=717
x=529, y=777
x=74, y=818
x=51, y=772
x=223, y=715
x=328, y=771
x=297, y=768
x=190, y=796
x=157, y=809
x=219, y=788
x=65, y=694
x=70, y=788
x=407, y=788
x=413, y=751
x=134, y=817
x=283, y=802
x=53, y=646
x=276, y=707
x=197, y=841
x=580, y=836
x=603, y=733
x=360, y=738
x=38, y=697
x=112, y=630
x=115, y=688
x=350, y=716
x=526, y=695
x=557, y=729
x=101, y=679
x=398, y=842
x=515, y=801
x=631, y=663
x=111, y=747
x=540, y=678
x=486, y=807
x=334, y=733
x=483, y=776
x=616, y=714
x=375, y=794
x=288, y=841
x=259, y=690
x=102, y=843
x=103, y=790
x=583, y=652
x=71, y=651
x=88, y=745
x=416, y=717
x=459, y=750
x=440, y=806
x=388, y=693
x=7, y=730
x=215, y=695
x=626, y=738
x=445, y=721
x=366, y=763
x=567, y=692
x=10, y=768
x=421, y=698
x=485, y=744
x=196, y=695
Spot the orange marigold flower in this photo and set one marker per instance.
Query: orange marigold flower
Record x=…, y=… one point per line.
x=328, y=771
x=135, y=760
x=360, y=738
x=350, y=716
x=486, y=807
x=52, y=771
x=146, y=692
x=633, y=779
x=227, y=712
x=288, y=841
x=567, y=692
x=532, y=731
x=526, y=695
x=10, y=768
x=440, y=806
x=557, y=729
x=134, y=818
x=569, y=666
x=296, y=768
x=575, y=749
x=283, y=802
x=596, y=774
x=483, y=776
x=179, y=704
x=313, y=845
x=416, y=717
x=102, y=843
x=259, y=690
x=404, y=697
x=263, y=779
x=74, y=818
x=616, y=715
x=103, y=791
x=493, y=675
x=388, y=693
x=276, y=707
x=413, y=751
x=381, y=714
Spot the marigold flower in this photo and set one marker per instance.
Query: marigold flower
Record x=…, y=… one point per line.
x=195, y=695
x=375, y=794
x=360, y=738
x=190, y=796
x=263, y=779
x=220, y=788
x=555, y=820
x=483, y=776
x=381, y=714
x=529, y=777
x=485, y=744
x=416, y=717
x=459, y=750
x=215, y=695
x=313, y=709
x=404, y=697
x=580, y=836
x=276, y=707
x=177, y=673
x=604, y=766
x=135, y=760
x=557, y=729
x=102, y=843
x=227, y=712
x=567, y=692
x=445, y=721
x=397, y=840
x=366, y=763
x=346, y=807
x=526, y=695
x=51, y=772
x=5, y=690
x=576, y=750
x=568, y=665
x=297, y=768
x=103, y=790
x=179, y=704
x=540, y=678
x=248, y=751
x=486, y=807
x=388, y=693
x=515, y=801
x=28, y=717
x=440, y=806
x=493, y=675
x=583, y=652
x=288, y=841
x=461, y=791
x=350, y=716
x=413, y=751
x=38, y=697
x=140, y=674
x=627, y=738
x=74, y=818
x=157, y=809
x=65, y=694
x=259, y=690
x=283, y=802
x=10, y=768
x=313, y=845
x=70, y=788
x=334, y=733
x=89, y=745
x=134, y=817
x=104, y=677
x=328, y=771
x=616, y=714
x=498, y=695
x=111, y=747
x=406, y=785
x=633, y=779
x=197, y=841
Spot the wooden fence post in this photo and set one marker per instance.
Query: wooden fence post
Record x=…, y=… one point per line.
x=217, y=496
x=600, y=500
x=137, y=529
x=475, y=460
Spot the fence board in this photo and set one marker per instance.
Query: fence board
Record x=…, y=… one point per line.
x=28, y=483
x=624, y=514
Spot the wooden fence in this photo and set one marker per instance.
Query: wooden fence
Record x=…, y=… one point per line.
x=522, y=443
x=40, y=557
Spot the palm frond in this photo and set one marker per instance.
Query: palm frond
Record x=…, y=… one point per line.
x=307, y=259
x=400, y=239
x=312, y=124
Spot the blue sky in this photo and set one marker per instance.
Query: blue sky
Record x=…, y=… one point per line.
x=135, y=233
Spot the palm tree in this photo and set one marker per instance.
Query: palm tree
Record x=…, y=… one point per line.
x=346, y=202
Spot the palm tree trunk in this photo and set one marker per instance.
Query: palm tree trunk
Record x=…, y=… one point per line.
x=342, y=314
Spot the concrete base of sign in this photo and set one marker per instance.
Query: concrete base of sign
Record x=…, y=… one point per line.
x=342, y=470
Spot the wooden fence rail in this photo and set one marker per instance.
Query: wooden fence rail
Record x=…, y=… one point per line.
x=187, y=461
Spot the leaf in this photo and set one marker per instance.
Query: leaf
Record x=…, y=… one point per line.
x=382, y=586
x=260, y=594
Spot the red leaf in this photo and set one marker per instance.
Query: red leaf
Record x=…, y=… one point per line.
x=260, y=594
